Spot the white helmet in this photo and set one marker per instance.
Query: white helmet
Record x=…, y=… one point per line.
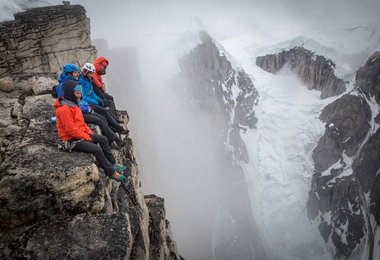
x=89, y=67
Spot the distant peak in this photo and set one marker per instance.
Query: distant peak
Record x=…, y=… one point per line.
x=196, y=25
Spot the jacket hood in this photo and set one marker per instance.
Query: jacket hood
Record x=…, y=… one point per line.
x=63, y=77
x=68, y=90
x=61, y=102
x=98, y=61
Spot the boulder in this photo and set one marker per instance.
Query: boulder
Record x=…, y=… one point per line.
x=7, y=84
x=42, y=85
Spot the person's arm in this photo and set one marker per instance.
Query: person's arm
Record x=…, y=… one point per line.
x=98, y=99
x=90, y=100
x=96, y=81
x=89, y=132
x=67, y=120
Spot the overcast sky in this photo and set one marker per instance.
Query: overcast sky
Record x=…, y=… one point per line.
x=122, y=21
x=126, y=22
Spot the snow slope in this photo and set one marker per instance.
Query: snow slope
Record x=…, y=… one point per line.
x=280, y=168
x=279, y=173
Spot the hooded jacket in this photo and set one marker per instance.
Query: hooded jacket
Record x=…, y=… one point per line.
x=98, y=81
x=88, y=93
x=63, y=77
x=69, y=118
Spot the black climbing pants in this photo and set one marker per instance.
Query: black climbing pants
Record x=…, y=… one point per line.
x=102, y=152
x=110, y=119
x=107, y=99
x=101, y=121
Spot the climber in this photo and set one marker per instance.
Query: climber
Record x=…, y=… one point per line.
x=73, y=130
x=101, y=64
x=95, y=102
x=69, y=72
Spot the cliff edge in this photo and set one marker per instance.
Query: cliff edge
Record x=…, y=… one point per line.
x=56, y=204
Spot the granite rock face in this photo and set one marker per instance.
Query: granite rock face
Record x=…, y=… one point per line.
x=315, y=71
x=43, y=39
x=56, y=204
x=344, y=199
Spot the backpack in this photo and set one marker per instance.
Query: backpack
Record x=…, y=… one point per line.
x=54, y=91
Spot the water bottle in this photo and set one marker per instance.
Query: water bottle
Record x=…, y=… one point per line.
x=53, y=119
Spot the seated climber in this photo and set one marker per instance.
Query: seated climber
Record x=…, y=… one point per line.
x=101, y=64
x=69, y=72
x=95, y=102
x=72, y=128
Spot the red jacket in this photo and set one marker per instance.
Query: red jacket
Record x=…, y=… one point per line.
x=70, y=122
x=98, y=81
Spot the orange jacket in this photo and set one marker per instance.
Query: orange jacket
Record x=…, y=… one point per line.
x=98, y=81
x=70, y=122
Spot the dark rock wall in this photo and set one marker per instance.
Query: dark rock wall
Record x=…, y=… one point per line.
x=226, y=97
x=353, y=198
x=315, y=71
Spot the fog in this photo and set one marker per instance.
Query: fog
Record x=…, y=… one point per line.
x=180, y=156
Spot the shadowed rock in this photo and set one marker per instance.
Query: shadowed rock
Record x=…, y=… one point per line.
x=344, y=197
x=315, y=71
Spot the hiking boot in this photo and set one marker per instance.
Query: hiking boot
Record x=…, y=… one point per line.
x=115, y=146
x=119, y=168
x=118, y=177
x=120, y=142
x=123, y=131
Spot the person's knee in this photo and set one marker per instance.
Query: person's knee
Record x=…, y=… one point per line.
x=103, y=139
x=97, y=150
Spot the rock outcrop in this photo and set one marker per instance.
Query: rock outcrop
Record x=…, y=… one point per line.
x=217, y=83
x=227, y=98
x=344, y=199
x=315, y=71
x=44, y=39
x=56, y=204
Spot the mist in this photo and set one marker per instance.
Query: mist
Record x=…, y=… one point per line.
x=179, y=155
x=177, y=146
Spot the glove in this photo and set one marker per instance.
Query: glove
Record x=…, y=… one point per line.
x=100, y=103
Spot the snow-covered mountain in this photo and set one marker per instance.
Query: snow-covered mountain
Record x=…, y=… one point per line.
x=268, y=127
x=292, y=149
x=282, y=151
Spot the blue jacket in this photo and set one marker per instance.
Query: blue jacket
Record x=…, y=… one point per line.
x=88, y=93
x=84, y=106
x=62, y=79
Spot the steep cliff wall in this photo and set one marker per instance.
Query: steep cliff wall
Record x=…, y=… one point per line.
x=55, y=204
x=315, y=71
x=344, y=198
x=226, y=97
x=44, y=39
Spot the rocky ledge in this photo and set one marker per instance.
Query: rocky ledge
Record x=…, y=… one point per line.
x=55, y=204
x=315, y=71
